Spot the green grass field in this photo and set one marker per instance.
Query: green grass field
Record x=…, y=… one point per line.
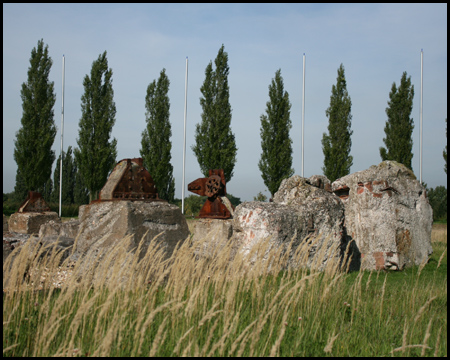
x=182, y=307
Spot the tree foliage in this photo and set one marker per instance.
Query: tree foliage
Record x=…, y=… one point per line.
x=400, y=124
x=215, y=146
x=276, y=158
x=438, y=201
x=235, y=201
x=444, y=153
x=69, y=171
x=20, y=189
x=46, y=189
x=260, y=197
x=156, y=145
x=80, y=191
x=96, y=155
x=193, y=204
x=34, y=140
x=337, y=143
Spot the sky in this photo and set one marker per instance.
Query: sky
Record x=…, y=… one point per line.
x=376, y=43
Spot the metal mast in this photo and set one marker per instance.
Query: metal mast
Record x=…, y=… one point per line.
x=421, y=110
x=184, y=141
x=62, y=133
x=303, y=119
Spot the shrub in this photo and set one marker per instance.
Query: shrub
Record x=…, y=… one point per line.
x=438, y=201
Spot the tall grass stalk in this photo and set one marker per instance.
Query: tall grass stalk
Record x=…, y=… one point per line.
x=222, y=302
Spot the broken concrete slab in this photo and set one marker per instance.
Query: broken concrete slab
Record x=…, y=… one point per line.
x=67, y=229
x=309, y=217
x=103, y=224
x=388, y=215
x=210, y=236
x=30, y=222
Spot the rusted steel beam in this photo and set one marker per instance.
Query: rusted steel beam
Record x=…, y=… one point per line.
x=129, y=180
x=34, y=203
x=213, y=187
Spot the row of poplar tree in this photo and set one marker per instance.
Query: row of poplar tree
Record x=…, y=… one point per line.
x=85, y=173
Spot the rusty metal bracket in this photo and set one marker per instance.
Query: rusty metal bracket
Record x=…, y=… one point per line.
x=213, y=187
x=129, y=180
x=34, y=203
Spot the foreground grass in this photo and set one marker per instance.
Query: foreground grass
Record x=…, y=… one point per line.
x=182, y=307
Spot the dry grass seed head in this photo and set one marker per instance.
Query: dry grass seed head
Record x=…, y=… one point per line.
x=427, y=336
x=210, y=314
x=243, y=345
x=10, y=347
x=241, y=337
x=440, y=258
x=368, y=280
x=265, y=314
x=108, y=340
x=187, y=349
x=209, y=338
x=180, y=341
x=409, y=347
x=329, y=347
x=422, y=309
x=436, y=347
x=276, y=346
x=149, y=320
x=332, y=283
x=49, y=334
x=86, y=305
x=17, y=266
x=228, y=330
x=159, y=338
x=382, y=295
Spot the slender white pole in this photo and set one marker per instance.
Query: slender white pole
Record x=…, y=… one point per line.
x=184, y=142
x=62, y=132
x=421, y=110
x=303, y=118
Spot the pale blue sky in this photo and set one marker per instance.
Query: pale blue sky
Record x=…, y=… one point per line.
x=375, y=42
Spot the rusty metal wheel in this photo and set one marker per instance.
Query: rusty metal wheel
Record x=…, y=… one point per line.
x=212, y=186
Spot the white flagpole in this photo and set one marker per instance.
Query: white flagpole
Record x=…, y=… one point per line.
x=421, y=110
x=184, y=142
x=303, y=119
x=62, y=132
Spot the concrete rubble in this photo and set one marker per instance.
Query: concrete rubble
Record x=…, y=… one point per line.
x=388, y=215
x=210, y=236
x=307, y=214
x=103, y=224
x=380, y=217
x=30, y=222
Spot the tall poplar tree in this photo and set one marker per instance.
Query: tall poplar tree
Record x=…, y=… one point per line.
x=444, y=153
x=33, y=145
x=215, y=145
x=96, y=155
x=337, y=143
x=156, y=145
x=276, y=158
x=68, y=178
x=20, y=189
x=80, y=191
x=46, y=189
x=400, y=124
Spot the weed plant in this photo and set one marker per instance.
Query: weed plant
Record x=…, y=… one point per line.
x=214, y=306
